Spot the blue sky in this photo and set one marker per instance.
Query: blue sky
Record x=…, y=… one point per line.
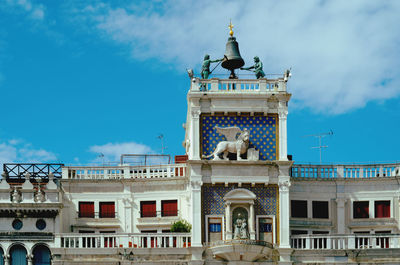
x=79, y=78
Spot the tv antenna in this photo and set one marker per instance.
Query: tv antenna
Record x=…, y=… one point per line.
x=161, y=137
x=320, y=145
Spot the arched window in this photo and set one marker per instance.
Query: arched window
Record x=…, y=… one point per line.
x=1, y=256
x=41, y=255
x=18, y=255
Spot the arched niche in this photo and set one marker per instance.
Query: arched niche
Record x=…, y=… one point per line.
x=239, y=200
x=41, y=255
x=1, y=256
x=18, y=255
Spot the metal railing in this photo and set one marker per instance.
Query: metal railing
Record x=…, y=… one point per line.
x=238, y=85
x=84, y=214
x=173, y=213
x=345, y=171
x=138, y=240
x=18, y=172
x=125, y=172
x=347, y=241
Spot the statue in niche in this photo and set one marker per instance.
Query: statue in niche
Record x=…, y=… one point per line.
x=240, y=231
x=235, y=143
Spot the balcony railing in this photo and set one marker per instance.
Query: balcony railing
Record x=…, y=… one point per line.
x=84, y=214
x=142, y=240
x=125, y=172
x=345, y=171
x=144, y=214
x=352, y=241
x=238, y=85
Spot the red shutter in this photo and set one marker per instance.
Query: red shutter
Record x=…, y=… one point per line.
x=148, y=209
x=170, y=208
x=86, y=209
x=382, y=209
x=107, y=210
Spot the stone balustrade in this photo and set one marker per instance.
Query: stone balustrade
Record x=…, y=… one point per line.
x=238, y=85
x=345, y=171
x=125, y=172
x=347, y=241
x=138, y=240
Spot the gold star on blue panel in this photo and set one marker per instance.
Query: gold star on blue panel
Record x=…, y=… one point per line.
x=266, y=202
x=262, y=129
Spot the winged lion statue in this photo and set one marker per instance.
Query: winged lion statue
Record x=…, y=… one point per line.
x=234, y=143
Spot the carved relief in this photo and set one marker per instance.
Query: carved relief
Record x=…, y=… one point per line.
x=234, y=144
x=284, y=185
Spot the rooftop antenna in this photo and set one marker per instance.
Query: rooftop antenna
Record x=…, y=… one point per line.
x=320, y=146
x=161, y=137
x=102, y=157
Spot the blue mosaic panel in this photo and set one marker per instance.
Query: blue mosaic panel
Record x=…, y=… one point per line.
x=262, y=129
x=266, y=202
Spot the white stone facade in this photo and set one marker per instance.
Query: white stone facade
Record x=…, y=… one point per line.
x=288, y=214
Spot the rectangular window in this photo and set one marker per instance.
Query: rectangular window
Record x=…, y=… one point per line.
x=265, y=229
x=382, y=209
x=153, y=239
x=361, y=209
x=169, y=208
x=362, y=239
x=320, y=209
x=320, y=243
x=214, y=229
x=299, y=208
x=148, y=209
x=107, y=210
x=298, y=242
x=381, y=240
x=86, y=209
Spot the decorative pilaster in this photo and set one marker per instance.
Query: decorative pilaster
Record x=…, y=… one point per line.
x=251, y=222
x=195, y=131
x=196, y=212
x=228, y=221
x=282, y=131
x=341, y=215
x=284, y=184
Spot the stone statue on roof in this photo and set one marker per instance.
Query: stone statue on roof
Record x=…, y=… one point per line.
x=258, y=68
x=205, y=69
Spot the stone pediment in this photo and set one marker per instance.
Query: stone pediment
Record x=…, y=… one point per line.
x=239, y=194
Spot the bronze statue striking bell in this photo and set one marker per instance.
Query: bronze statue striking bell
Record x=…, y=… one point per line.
x=232, y=59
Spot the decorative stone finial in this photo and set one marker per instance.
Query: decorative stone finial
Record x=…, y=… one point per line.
x=230, y=28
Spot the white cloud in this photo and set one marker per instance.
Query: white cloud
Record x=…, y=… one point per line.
x=14, y=151
x=344, y=54
x=113, y=151
x=34, y=11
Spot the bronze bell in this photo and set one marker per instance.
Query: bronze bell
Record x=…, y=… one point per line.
x=232, y=59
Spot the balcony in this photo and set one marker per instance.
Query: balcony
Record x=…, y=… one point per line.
x=244, y=250
x=138, y=240
x=125, y=172
x=173, y=213
x=343, y=242
x=345, y=171
x=216, y=85
x=97, y=214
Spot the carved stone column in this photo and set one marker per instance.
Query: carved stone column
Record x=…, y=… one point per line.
x=228, y=221
x=284, y=234
x=196, y=212
x=251, y=222
x=30, y=259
